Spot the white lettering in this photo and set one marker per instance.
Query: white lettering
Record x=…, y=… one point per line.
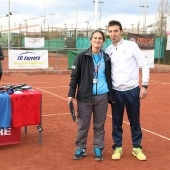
x=5, y=132
x=1, y=132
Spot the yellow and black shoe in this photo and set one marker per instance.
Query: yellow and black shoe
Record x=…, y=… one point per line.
x=117, y=153
x=139, y=154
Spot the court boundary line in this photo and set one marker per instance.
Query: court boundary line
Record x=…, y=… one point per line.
x=147, y=130
x=156, y=134
x=48, y=115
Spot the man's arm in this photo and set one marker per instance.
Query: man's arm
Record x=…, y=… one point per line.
x=143, y=64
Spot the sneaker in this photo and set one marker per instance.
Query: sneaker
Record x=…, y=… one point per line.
x=117, y=153
x=98, y=156
x=139, y=154
x=79, y=154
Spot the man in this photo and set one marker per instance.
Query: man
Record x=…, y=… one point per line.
x=126, y=59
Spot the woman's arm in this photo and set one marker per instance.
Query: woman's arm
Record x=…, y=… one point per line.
x=1, y=54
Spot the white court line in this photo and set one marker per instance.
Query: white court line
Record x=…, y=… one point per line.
x=160, y=83
x=109, y=116
x=56, y=114
x=156, y=81
x=51, y=93
x=148, y=131
x=29, y=82
x=54, y=87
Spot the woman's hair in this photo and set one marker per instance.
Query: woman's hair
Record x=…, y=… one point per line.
x=101, y=32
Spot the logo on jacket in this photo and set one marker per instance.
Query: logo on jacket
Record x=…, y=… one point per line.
x=124, y=51
x=73, y=67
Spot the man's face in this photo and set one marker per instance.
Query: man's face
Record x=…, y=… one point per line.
x=115, y=33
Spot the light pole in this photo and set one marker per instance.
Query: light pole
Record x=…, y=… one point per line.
x=1, y=22
x=65, y=38
x=144, y=23
x=20, y=25
x=43, y=22
x=72, y=30
x=26, y=23
x=52, y=14
x=132, y=27
x=15, y=12
x=139, y=17
x=65, y=29
x=9, y=13
x=76, y=18
x=96, y=13
x=87, y=27
x=100, y=2
x=44, y=16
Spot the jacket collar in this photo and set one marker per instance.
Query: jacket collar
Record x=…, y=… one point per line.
x=120, y=42
x=89, y=53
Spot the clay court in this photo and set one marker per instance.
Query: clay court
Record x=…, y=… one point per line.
x=58, y=136
x=59, y=130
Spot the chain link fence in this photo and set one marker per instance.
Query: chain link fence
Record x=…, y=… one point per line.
x=58, y=56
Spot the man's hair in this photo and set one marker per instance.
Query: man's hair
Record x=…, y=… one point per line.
x=114, y=22
x=99, y=31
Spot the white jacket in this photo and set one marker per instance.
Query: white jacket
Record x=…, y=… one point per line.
x=126, y=59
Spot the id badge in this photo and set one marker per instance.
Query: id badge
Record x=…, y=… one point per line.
x=94, y=81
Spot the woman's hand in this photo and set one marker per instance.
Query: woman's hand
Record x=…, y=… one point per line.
x=70, y=99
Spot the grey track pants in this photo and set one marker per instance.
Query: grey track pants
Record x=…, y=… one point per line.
x=98, y=107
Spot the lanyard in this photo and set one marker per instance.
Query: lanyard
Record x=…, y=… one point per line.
x=96, y=68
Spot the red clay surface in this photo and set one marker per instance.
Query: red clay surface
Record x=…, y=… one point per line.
x=58, y=136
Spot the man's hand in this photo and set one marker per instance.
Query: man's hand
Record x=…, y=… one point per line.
x=143, y=92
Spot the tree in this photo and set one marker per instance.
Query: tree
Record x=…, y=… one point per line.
x=163, y=11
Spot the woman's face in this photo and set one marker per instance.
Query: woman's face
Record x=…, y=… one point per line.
x=97, y=40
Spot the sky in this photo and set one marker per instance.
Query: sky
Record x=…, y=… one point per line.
x=62, y=13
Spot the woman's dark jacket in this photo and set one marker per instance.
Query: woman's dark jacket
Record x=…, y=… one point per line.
x=1, y=58
x=82, y=76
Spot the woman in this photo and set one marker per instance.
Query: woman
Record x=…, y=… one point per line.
x=91, y=79
x=1, y=58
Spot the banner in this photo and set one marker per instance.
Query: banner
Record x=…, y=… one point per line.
x=34, y=42
x=146, y=43
x=22, y=59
